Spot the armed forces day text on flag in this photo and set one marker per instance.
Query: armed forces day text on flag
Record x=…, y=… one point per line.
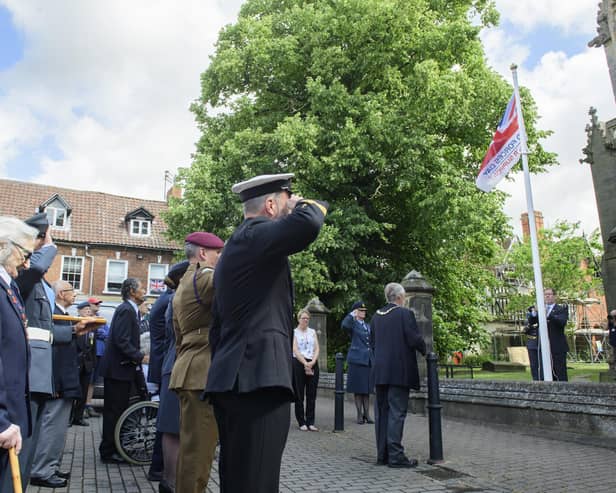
x=504, y=151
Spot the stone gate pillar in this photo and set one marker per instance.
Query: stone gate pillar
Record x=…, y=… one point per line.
x=418, y=298
x=318, y=322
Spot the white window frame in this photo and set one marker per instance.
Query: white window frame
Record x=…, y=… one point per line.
x=109, y=260
x=166, y=266
x=141, y=223
x=83, y=261
x=52, y=222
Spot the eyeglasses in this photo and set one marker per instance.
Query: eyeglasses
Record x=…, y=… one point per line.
x=68, y=290
x=305, y=318
x=25, y=252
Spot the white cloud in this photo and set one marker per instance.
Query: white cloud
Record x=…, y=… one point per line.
x=564, y=88
x=110, y=82
x=567, y=15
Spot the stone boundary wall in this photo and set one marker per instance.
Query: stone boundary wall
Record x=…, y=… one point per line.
x=584, y=409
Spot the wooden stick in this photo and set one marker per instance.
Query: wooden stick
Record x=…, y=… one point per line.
x=88, y=320
x=15, y=470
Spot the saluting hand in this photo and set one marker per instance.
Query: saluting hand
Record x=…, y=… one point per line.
x=293, y=200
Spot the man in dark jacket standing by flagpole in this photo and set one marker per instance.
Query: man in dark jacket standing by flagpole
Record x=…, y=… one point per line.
x=396, y=337
x=250, y=378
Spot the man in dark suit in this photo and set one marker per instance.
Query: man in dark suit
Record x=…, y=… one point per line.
x=532, y=341
x=557, y=317
x=396, y=337
x=250, y=378
x=120, y=364
x=16, y=242
x=86, y=352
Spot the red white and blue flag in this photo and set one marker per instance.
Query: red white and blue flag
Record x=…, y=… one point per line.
x=504, y=152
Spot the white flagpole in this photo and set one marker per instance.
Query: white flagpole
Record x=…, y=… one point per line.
x=544, y=341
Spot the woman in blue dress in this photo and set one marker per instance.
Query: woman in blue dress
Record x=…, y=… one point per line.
x=359, y=358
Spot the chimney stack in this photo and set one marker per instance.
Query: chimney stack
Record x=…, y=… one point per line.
x=175, y=192
x=526, y=225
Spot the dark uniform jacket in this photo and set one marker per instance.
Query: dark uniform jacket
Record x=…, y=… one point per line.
x=65, y=363
x=14, y=362
x=359, y=352
x=169, y=345
x=253, y=330
x=612, y=334
x=122, y=355
x=157, y=336
x=396, y=337
x=192, y=319
x=557, y=321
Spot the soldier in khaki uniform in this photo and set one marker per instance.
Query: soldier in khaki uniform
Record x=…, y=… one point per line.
x=192, y=319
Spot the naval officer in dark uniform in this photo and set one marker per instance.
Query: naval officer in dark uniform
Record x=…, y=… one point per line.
x=250, y=379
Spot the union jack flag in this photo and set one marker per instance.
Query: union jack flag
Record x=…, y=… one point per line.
x=504, y=152
x=157, y=285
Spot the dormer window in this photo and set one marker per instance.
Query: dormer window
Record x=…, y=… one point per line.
x=57, y=217
x=140, y=227
x=58, y=212
x=139, y=222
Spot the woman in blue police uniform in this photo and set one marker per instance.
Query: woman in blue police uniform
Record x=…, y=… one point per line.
x=360, y=360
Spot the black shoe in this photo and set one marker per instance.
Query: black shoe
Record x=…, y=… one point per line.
x=404, y=464
x=113, y=459
x=81, y=422
x=165, y=488
x=91, y=413
x=154, y=476
x=369, y=421
x=380, y=462
x=52, y=482
x=63, y=474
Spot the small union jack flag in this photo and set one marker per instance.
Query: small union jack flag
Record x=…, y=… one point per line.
x=157, y=285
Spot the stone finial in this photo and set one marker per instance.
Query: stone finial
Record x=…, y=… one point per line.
x=315, y=305
x=415, y=282
x=603, y=29
x=590, y=128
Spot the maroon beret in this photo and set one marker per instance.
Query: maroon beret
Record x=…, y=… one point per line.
x=205, y=240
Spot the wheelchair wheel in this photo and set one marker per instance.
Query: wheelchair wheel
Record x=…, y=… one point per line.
x=136, y=431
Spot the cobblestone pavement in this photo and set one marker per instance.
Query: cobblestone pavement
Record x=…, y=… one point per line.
x=478, y=459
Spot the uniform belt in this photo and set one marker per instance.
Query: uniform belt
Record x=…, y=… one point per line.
x=202, y=334
x=532, y=337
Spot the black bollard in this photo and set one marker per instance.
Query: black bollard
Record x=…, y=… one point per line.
x=434, y=411
x=339, y=402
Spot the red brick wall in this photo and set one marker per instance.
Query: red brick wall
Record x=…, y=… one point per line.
x=138, y=264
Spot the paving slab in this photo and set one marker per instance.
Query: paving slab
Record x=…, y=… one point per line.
x=478, y=458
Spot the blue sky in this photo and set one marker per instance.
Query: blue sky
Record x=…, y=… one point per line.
x=11, y=43
x=100, y=97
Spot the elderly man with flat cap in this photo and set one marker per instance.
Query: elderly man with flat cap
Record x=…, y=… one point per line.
x=192, y=320
x=250, y=379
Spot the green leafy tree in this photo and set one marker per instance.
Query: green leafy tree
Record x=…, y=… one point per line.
x=568, y=264
x=385, y=109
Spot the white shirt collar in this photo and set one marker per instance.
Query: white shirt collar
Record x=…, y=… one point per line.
x=134, y=305
x=5, y=276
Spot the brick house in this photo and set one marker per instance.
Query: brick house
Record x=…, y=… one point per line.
x=102, y=239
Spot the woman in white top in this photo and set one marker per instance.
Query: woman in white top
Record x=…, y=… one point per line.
x=305, y=371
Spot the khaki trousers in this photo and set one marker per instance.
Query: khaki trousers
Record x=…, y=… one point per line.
x=198, y=438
